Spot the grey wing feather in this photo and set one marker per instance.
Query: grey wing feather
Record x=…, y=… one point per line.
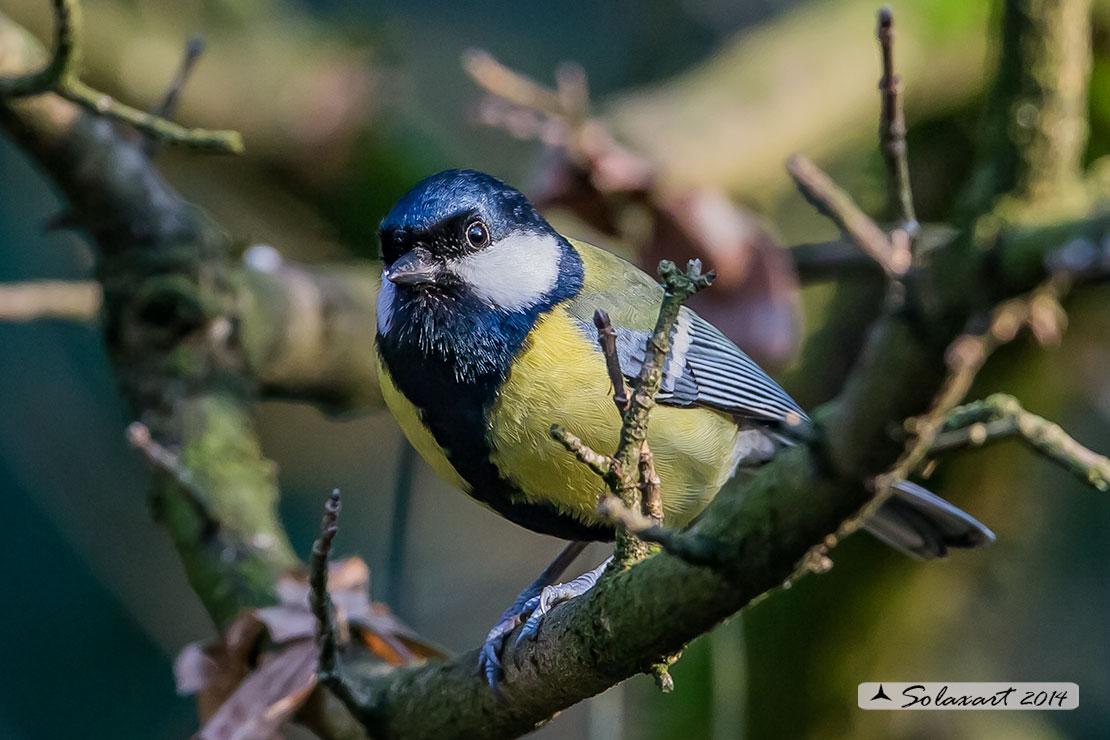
x=704, y=368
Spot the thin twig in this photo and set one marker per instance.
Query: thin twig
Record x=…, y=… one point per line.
x=1000, y=416
x=607, y=338
x=832, y=201
x=329, y=671
x=832, y=260
x=603, y=465
x=194, y=48
x=50, y=299
x=61, y=76
x=975, y=434
x=624, y=472
x=892, y=132
x=678, y=286
x=651, y=504
x=965, y=356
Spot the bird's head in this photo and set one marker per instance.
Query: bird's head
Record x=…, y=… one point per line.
x=466, y=254
x=465, y=231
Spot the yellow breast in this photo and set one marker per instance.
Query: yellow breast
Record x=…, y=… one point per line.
x=560, y=378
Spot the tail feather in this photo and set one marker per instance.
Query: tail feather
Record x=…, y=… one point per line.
x=923, y=525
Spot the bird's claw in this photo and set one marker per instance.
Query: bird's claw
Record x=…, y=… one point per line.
x=534, y=609
x=489, y=657
x=537, y=607
x=535, y=601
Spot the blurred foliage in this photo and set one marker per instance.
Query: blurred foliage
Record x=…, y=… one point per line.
x=84, y=562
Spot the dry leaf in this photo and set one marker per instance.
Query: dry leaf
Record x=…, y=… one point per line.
x=267, y=698
x=239, y=700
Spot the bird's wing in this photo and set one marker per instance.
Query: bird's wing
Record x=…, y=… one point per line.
x=703, y=368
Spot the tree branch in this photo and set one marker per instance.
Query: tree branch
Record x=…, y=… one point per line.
x=824, y=194
x=60, y=75
x=49, y=299
x=188, y=331
x=1035, y=130
x=1000, y=416
x=607, y=339
x=678, y=286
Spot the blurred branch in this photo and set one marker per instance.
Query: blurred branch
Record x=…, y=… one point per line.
x=189, y=338
x=1035, y=130
x=194, y=48
x=60, y=75
x=611, y=187
x=821, y=261
x=50, y=299
x=1000, y=416
x=833, y=202
x=63, y=62
x=892, y=132
x=308, y=329
x=166, y=462
x=964, y=357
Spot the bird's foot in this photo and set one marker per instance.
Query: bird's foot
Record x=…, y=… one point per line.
x=489, y=657
x=552, y=596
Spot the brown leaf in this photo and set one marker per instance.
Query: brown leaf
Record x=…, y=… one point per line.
x=349, y=586
x=243, y=701
x=212, y=670
x=267, y=698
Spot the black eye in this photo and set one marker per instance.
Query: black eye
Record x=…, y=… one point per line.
x=476, y=234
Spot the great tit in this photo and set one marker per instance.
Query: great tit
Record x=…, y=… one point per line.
x=486, y=339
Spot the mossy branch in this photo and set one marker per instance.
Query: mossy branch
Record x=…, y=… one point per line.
x=61, y=76
x=1002, y=416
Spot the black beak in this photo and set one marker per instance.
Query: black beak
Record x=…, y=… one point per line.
x=413, y=268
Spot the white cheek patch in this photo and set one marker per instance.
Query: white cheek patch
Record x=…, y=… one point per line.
x=386, y=293
x=515, y=273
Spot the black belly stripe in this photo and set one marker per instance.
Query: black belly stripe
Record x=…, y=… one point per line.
x=455, y=414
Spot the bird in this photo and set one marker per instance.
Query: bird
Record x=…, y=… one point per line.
x=485, y=339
